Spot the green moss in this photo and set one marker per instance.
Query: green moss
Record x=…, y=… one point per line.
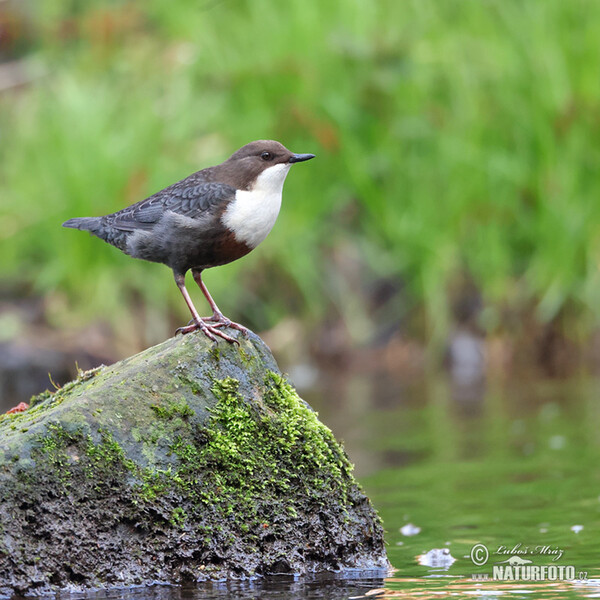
x=171, y=409
x=106, y=455
x=178, y=517
x=243, y=462
x=155, y=482
x=40, y=398
x=190, y=383
x=215, y=352
x=65, y=453
x=52, y=449
x=250, y=455
x=247, y=359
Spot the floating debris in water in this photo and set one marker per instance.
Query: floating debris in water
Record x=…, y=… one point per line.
x=577, y=528
x=438, y=557
x=410, y=529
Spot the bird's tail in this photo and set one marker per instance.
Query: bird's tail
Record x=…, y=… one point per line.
x=91, y=224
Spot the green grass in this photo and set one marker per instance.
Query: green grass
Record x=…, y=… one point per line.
x=454, y=139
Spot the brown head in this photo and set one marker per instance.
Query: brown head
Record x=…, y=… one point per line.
x=244, y=166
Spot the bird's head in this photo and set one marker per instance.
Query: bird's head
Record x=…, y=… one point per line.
x=265, y=158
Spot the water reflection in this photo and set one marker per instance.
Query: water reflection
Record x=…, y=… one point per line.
x=281, y=587
x=517, y=464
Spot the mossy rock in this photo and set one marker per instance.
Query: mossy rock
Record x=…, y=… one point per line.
x=186, y=462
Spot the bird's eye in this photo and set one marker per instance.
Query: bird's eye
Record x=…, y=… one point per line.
x=266, y=156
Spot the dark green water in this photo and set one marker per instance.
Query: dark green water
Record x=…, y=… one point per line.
x=501, y=465
x=513, y=465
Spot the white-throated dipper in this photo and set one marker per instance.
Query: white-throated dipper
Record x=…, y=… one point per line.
x=210, y=218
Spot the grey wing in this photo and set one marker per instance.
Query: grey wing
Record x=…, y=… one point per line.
x=189, y=197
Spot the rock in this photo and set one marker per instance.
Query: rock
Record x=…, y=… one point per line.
x=186, y=462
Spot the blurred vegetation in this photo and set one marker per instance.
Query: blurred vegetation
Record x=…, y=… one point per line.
x=457, y=141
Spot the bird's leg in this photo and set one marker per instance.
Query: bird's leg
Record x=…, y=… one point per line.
x=210, y=331
x=218, y=318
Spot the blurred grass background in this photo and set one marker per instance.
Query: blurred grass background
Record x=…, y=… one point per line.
x=457, y=152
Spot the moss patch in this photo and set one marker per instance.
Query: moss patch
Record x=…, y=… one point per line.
x=172, y=409
x=64, y=455
x=247, y=462
x=251, y=455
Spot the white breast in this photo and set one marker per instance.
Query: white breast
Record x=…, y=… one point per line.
x=253, y=213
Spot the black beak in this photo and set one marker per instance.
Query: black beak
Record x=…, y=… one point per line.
x=300, y=157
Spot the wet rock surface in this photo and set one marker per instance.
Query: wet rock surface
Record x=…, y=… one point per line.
x=187, y=462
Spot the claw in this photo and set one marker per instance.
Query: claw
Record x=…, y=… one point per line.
x=194, y=327
x=210, y=326
x=239, y=327
x=222, y=321
x=210, y=331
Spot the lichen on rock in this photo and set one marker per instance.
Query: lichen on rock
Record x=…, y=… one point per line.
x=185, y=462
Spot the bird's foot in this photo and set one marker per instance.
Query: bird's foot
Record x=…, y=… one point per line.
x=220, y=320
x=216, y=320
x=210, y=331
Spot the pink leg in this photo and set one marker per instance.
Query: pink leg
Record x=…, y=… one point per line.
x=210, y=331
x=219, y=319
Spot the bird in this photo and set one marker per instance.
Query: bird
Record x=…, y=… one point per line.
x=211, y=218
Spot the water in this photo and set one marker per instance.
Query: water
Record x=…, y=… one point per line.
x=512, y=466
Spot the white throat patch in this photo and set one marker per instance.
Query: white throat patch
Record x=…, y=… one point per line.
x=252, y=214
